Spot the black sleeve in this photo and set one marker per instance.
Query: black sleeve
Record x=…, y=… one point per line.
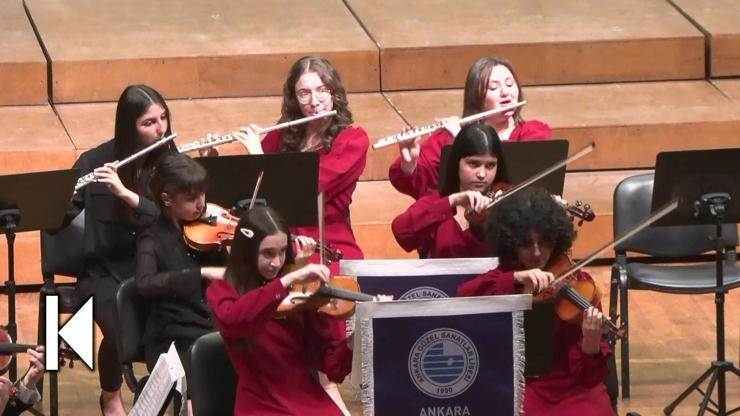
x=151, y=282
x=77, y=204
x=146, y=212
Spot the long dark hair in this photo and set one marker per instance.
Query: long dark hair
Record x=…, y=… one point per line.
x=133, y=103
x=253, y=227
x=293, y=137
x=176, y=173
x=509, y=223
x=476, y=85
x=473, y=139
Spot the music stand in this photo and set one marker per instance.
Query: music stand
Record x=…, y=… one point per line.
x=289, y=185
x=707, y=185
x=524, y=160
x=30, y=202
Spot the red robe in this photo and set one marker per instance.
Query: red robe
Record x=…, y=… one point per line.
x=426, y=175
x=339, y=170
x=575, y=384
x=430, y=223
x=273, y=357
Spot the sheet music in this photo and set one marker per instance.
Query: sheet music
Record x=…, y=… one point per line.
x=167, y=372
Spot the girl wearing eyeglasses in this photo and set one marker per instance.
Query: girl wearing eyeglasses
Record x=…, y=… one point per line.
x=313, y=87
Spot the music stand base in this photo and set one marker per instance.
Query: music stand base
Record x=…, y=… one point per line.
x=717, y=369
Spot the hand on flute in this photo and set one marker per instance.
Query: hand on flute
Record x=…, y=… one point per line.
x=248, y=137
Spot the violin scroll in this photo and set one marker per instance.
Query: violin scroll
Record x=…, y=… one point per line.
x=579, y=210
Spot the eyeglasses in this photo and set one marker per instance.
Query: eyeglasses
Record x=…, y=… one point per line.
x=322, y=94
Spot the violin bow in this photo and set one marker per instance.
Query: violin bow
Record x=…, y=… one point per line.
x=320, y=201
x=256, y=190
x=662, y=212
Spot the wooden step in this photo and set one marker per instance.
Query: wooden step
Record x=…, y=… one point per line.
x=729, y=87
x=201, y=48
x=630, y=122
x=719, y=20
x=22, y=63
x=431, y=44
x=193, y=119
x=33, y=140
x=377, y=203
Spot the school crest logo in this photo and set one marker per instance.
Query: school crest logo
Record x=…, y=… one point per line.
x=443, y=363
x=423, y=292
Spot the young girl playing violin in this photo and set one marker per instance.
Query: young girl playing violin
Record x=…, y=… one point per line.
x=117, y=208
x=437, y=221
x=169, y=274
x=273, y=356
x=529, y=231
x=491, y=83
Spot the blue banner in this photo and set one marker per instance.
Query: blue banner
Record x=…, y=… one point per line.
x=442, y=357
x=415, y=279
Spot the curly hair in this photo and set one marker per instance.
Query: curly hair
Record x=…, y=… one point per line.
x=509, y=223
x=293, y=137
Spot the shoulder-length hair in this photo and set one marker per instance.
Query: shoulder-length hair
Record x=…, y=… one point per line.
x=476, y=85
x=253, y=227
x=509, y=224
x=293, y=137
x=133, y=103
x=176, y=173
x=472, y=140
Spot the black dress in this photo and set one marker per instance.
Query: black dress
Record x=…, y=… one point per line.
x=111, y=228
x=168, y=276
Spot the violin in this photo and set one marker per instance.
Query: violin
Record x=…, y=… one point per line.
x=213, y=230
x=572, y=296
x=8, y=349
x=510, y=190
x=330, y=254
x=580, y=210
x=216, y=227
x=336, y=298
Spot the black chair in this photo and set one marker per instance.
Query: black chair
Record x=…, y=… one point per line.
x=213, y=385
x=632, y=203
x=132, y=312
x=62, y=253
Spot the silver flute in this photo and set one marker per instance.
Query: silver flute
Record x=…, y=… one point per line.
x=217, y=140
x=90, y=177
x=422, y=131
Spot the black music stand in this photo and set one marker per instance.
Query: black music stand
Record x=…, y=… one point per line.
x=30, y=202
x=524, y=160
x=289, y=185
x=707, y=185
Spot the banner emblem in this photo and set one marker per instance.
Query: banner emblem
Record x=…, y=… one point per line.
x=443, y=363
x=423, y=292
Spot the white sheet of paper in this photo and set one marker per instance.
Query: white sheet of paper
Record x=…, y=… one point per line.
x=167, y=371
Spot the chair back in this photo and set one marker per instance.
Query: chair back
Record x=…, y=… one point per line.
x=132, y=312
x=213, y=380
x=63, y=253
x=632, y=204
